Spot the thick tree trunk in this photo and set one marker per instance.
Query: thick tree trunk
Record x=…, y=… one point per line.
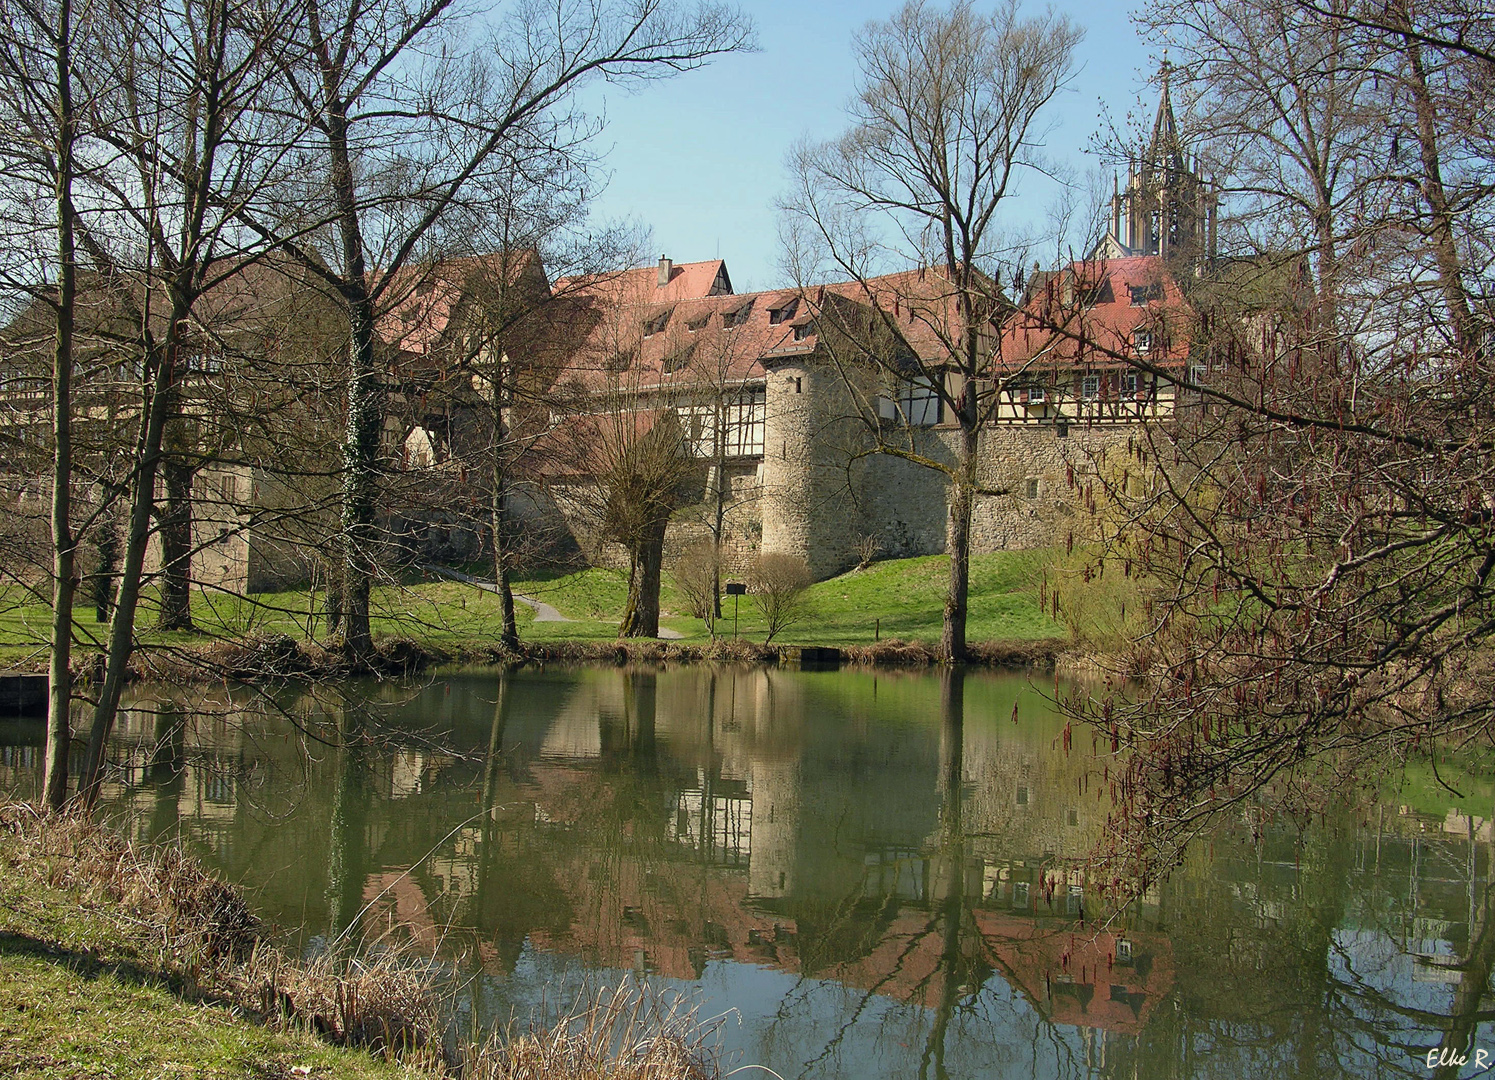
x=365, y=407
x=641, y=614
x=64, y=543
x=360, y=483
x=509, y=631
x=176, y=547
x=958, y=544
x=106, y=550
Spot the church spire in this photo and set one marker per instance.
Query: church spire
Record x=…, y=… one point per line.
x=1166, y=154
x=1166, y=209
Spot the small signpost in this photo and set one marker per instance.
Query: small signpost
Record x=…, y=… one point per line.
x=735, y=589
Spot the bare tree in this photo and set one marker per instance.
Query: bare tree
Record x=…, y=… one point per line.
x=197, y=78
x=39, y=102
x=397, y=167
x=948, y=114
x=1319, y=527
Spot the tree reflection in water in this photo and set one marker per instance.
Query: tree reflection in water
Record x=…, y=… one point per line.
x=885, y=874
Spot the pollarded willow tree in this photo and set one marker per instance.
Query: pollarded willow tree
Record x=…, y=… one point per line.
x=949, y=114
x=1321, y=539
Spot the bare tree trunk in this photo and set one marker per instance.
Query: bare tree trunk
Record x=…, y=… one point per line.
x=641, y=613
x=64, y=543
x=958, y=544
x=122, y=626
x=509, y=634
x=365, y=413
x=176, y=547
x=106, y=547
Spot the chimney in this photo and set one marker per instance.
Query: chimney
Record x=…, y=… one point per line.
x=666, y=268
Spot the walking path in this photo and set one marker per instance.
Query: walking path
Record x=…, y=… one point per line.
x=543, y=611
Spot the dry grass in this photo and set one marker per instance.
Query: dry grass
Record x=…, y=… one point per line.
x=627, y=1032
x=174, y=919
x=79, y=890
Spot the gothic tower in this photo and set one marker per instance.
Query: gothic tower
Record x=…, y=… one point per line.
x=1167, y=209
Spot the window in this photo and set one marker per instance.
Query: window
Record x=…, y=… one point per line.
x=1071, y=817
x=916, y=404
x=698, y=323
x=736, y=317
x=745, y=424
x=1022, y=794
x=1089, y=387
x=782, y=314
x=655, y=324
x=1198, y=374
x=1142, y=341
x=1141, y=294
x=741, y=418
x=1020, y=894
x=1129, y=384
x=1030, y=487
x=678, y=359
x=1123, y=951
x=1035, y=395
x=803, y=331
x=1074, y=900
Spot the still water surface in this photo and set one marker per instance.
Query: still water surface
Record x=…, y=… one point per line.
x=881, y=875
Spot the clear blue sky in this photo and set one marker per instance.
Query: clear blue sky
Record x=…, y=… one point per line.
x=700, y=158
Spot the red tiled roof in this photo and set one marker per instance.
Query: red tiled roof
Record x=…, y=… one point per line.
x=642, y=339
x=421, y=300
x=1084, y=316
x=641, y=284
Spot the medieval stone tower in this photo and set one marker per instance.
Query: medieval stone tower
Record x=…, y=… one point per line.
x=813, y=464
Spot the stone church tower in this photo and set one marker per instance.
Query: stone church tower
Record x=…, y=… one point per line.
x=1167, y=209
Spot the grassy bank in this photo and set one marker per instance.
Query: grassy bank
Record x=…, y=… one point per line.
x=97, y=980
x=122, y=963
x=901, y=599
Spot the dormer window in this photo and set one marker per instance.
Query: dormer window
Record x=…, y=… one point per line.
x=1142, y=341
x=655, y=324
x=803, y=331
x=782, y=314
x=697, y=323
x=1141, y=294
x=737, y=317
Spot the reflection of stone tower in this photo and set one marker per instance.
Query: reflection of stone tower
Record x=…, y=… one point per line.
x=811, y=429
x=1166, y=209
x=775, y=828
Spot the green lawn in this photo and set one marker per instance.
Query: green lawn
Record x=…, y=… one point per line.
x=901, y=598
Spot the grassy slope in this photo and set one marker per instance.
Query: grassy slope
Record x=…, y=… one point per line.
x=904, y=596
x=81, y=1000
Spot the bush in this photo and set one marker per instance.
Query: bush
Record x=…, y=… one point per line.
x=777, y=584
x=697, y=574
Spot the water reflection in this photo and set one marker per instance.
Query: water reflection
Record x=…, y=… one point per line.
x=886, y=875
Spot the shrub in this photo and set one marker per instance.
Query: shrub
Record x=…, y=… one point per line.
x=777, y=584
x=698, y=573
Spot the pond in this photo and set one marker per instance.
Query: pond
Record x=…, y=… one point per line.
x=872, y=875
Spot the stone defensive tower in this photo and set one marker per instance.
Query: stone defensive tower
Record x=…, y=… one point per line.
x=813, y=461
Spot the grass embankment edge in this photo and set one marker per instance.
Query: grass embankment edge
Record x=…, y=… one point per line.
x=138, y=964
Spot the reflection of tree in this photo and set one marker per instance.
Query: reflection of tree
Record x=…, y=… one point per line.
x=166, y=769
x=348, y=856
